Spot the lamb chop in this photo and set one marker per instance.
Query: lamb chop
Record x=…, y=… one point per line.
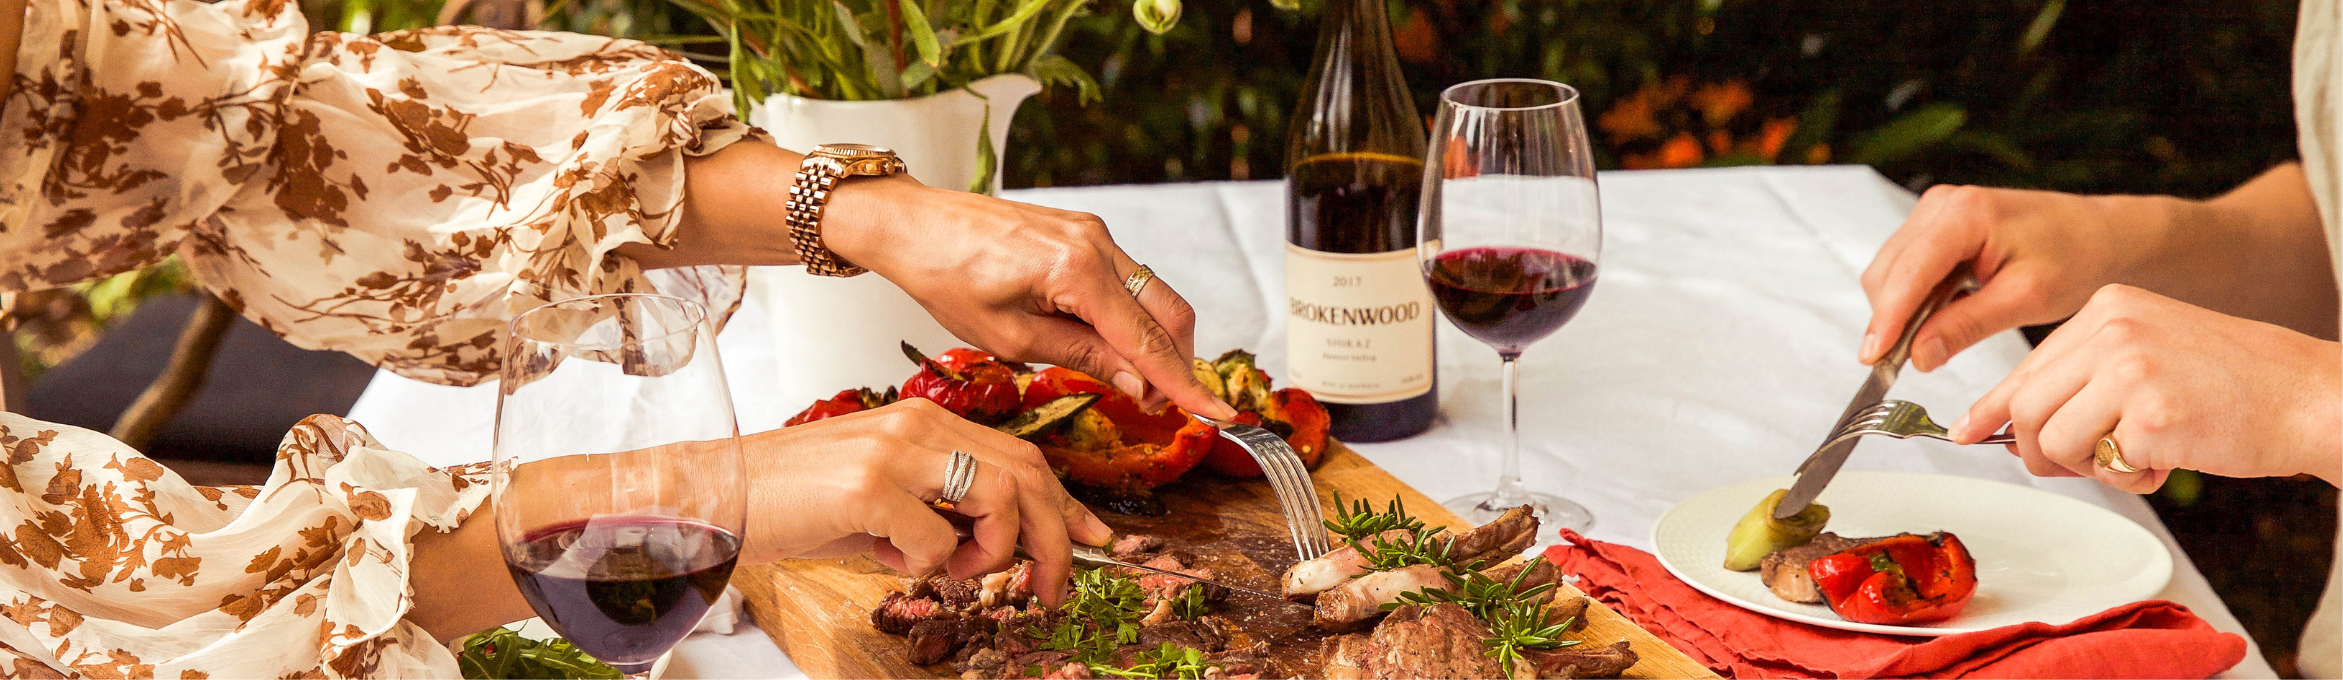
x=1356, y=604
x=1581, y=661
x=1439, y=641
x=1784, y=571
x=1496, y=541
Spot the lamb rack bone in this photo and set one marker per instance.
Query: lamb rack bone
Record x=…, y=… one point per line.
x=1499, y=540
x=1305, y=580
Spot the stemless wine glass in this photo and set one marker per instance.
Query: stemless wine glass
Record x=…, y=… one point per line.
x=618, y=485
x=1508, y=241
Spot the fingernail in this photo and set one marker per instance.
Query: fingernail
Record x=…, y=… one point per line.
x=1098, y=528
x=1226, y=411
x=1870, y=347
x=1959, y=426
x=1931, y=355
x=1131, y=385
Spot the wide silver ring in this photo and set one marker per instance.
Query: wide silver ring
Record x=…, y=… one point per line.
x=1138, y=280
x=959, y=475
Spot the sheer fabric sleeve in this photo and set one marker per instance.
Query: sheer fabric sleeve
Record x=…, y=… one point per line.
x=113, y=566
x=397, y=197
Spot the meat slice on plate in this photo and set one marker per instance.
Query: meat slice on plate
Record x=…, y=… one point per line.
x=1131, y=546
x=1304, y=581
x=1497, y=541
x=934, y=640
x=1582, y=661
x=1784, y=571
x=1439, y=641
x=1356, y=603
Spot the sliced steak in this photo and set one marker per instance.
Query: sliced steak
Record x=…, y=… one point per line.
x=1784, y=571
x=1133, y=546
x=1347, y=656
x=899, y=612
x=1197, y=635
x=1353, y=605
x=958, y=593
x=985, y=663
x=935, y=640
x=1497, y=541
x=1010, y=587
x=1583, y=661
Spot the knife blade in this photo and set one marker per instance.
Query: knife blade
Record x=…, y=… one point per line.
x=1095, y=558
x=1818, y=469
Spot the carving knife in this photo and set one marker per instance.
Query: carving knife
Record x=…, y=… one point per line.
x=1818, y=469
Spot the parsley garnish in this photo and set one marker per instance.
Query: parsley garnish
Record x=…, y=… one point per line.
x=1102, y=614
x=1166, y=662
x=499, y=653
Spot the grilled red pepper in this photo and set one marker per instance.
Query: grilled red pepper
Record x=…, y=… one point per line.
x=1291, y=413
x=848, y=401
x=1899, y=580
x=971, y=383
x=1115, y=445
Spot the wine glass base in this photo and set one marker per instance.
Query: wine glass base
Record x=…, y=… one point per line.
x=1555, y=513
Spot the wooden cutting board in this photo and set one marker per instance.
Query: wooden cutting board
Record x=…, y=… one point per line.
x=818, y=611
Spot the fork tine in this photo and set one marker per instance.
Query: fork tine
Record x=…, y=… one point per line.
x=1281, y=481
x=1308, y=522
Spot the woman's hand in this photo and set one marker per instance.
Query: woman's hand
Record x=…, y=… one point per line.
x=862, y=483
x=2179, y=386
x=1028, y=283
x=2038, y=254
x=1022, y=281
x=2256, y=252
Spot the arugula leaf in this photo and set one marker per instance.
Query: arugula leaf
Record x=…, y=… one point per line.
x=499, y=653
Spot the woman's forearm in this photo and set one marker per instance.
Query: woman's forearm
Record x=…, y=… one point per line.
x=459, y=580
x=2257, y=252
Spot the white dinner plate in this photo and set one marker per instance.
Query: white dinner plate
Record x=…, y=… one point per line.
x=2040, y=556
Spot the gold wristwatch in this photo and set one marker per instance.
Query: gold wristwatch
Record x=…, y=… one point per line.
x=815, y=178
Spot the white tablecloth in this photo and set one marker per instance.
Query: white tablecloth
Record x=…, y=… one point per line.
x=1719, y=344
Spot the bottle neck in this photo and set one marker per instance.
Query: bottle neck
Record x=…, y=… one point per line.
x=1356, y=99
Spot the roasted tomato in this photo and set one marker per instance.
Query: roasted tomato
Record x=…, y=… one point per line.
x=971, y=383
x=1114, y=446
x=1291, y=413
x=848, y=401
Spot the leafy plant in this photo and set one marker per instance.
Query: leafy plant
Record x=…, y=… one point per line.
x=1102, y=614
x=1521, y=626
x=1516, y=615
x=500, y=652
x=1360, y=520
x=1166, y=662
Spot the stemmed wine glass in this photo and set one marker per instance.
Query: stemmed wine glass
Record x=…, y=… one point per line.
x=618, y=486
x=1509, y=236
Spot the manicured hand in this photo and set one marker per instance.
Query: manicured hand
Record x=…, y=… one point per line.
x=2181, y=387
x=2038, y=254
x=1026, y=282
x=862, y=483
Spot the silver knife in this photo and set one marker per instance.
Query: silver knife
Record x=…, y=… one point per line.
x=1818, y=469
x=1095, y=558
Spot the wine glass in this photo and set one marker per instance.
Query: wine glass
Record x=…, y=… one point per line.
x=1510, y=234
x=618, y=486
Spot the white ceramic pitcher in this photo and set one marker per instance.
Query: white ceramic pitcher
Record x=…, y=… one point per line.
x=834, y=334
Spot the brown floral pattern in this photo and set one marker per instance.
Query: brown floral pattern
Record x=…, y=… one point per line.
x=113, y=567
x=397, y=197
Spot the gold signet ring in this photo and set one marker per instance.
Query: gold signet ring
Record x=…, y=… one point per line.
x=2110, y=456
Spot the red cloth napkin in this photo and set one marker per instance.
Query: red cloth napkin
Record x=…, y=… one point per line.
x=2155, y=639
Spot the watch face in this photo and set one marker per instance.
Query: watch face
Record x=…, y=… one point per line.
x=851, y=152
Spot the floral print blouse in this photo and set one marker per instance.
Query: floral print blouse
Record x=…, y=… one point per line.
x=397, y=197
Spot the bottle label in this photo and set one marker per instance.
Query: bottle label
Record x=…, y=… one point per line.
x=1358, y=325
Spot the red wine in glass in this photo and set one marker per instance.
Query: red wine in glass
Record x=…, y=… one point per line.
x=624, y=589
x=1510, y=297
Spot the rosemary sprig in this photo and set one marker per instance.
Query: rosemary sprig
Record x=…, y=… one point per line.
x=1360, y=520
x=1522, y=625
x=1166, y=662
x=1423, y=547
x=1486, y=598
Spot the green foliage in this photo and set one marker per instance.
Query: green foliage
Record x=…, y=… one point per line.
x=2187, y=97
x=501, y=653
x=1102, y=614
x=1168, y=661
x=1360, y=520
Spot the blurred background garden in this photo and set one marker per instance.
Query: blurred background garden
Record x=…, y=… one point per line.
x=2185, y=97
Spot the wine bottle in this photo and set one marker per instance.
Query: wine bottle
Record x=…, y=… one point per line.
x=1359, y=317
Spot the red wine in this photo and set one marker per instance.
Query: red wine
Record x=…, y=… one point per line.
x=624, y=589
x=1359, y=326
x=1510, y=297
x=1359, y=320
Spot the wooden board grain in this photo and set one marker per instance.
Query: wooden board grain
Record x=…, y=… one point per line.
x=818, y=611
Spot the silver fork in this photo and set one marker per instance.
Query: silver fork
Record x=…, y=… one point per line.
x=1902, y=420
x=1288, y=477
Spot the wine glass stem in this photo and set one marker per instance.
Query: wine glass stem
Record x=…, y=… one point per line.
x=1509, y=488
